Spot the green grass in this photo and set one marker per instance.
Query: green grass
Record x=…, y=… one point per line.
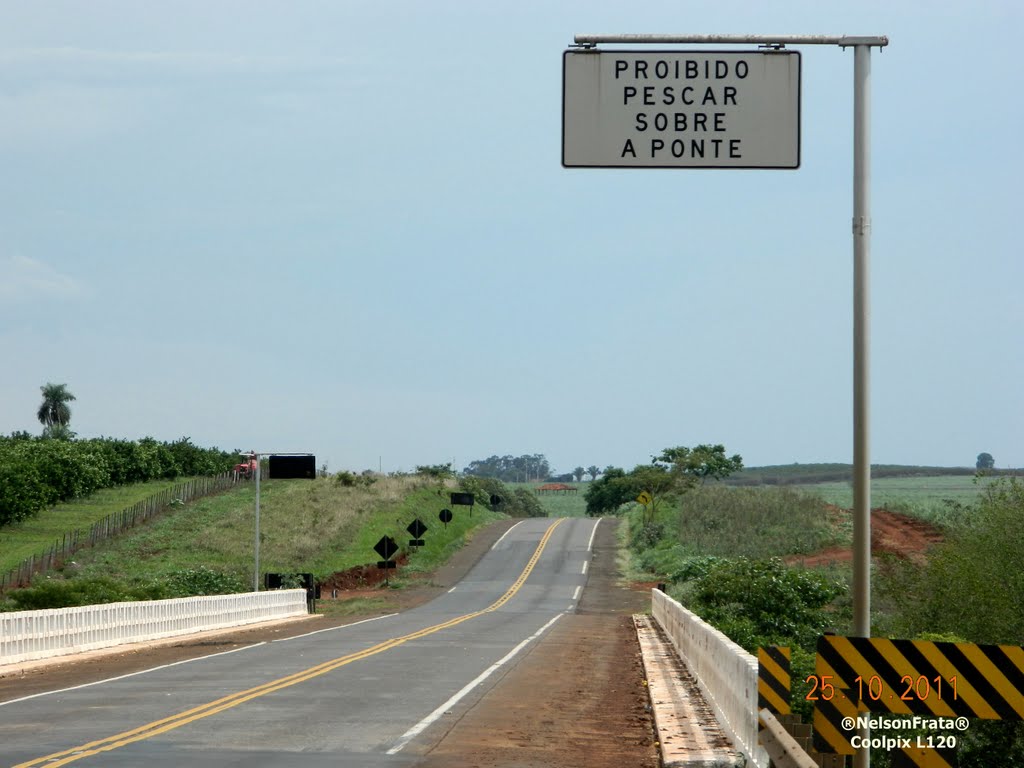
x=929, y=498
x=317, y=526
x=352, y=607
x=753, y=522
x=31, y=537
x=559, y=504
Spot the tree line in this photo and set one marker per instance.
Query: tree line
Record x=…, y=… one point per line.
x=525, y=469
x=38, y=472
x=511, y=469
x=672, y=471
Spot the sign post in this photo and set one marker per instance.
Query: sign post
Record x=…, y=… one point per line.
x=256, y=455
x=612, y=87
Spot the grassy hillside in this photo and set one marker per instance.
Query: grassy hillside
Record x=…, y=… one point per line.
x=30, y=537
x=319, y=526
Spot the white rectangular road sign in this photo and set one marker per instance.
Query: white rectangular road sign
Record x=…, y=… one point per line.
x=680, y=109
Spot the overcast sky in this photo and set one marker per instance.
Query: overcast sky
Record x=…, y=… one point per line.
x=344, y=228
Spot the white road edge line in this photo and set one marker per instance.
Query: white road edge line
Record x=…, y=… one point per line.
x=332, y=629
x=452, y=590
x=437, y=713
x=131, y=674
x=590, y=544
x=506, y=533
x=576, y=594
x=585, y=564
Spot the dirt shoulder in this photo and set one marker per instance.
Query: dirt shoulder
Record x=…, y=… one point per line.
x=18, y=680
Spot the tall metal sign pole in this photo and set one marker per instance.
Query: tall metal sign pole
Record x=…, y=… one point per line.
x=587, y=144
x=254, y=456
x=306, y=468
x=256, y=548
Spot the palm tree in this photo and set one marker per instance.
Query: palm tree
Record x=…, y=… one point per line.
x=54, y=410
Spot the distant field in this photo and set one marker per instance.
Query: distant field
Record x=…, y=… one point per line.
x=559, y=504
x=925, y=497
x=799, y=474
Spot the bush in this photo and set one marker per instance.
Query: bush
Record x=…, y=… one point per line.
x=762, y=602
x=352, y=480
x=519, y=502
x=695, y=567
x=973, y=585
x=524, y=503
x=69, y=593
x=76, y=591
x=190, y=582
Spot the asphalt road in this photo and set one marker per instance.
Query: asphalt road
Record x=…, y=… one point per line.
x=376, y=693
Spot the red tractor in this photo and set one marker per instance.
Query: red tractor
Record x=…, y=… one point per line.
x=247, y=468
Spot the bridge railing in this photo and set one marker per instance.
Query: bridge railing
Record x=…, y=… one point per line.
x=726, y=674
x=29, y=635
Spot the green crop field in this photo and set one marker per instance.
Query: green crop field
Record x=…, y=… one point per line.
x=930, y=498
x=558, y=503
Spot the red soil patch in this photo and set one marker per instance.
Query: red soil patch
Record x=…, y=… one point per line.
x=362, y=577
x=891, y=533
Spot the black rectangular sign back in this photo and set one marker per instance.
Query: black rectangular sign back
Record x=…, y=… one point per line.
x=292, y=467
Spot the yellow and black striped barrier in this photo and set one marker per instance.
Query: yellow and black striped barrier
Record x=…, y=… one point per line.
x=924, y=757
x=773, y=680
x=830, y=735
x=926, y=678
x=937, y=684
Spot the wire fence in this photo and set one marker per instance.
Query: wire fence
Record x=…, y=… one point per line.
x=113, y=525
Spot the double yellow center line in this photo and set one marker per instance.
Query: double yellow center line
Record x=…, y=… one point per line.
x=212, y=708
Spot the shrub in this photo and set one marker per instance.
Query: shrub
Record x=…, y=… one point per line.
x=68, y=593
x=524, y=503
x=352, y=480
x=518, y=502
x=973, y=585
x=762, y=602
x=189, y=582
x=695, y=567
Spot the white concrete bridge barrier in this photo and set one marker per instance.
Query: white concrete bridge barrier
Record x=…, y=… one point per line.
x=30, y=635
x=726, y=674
